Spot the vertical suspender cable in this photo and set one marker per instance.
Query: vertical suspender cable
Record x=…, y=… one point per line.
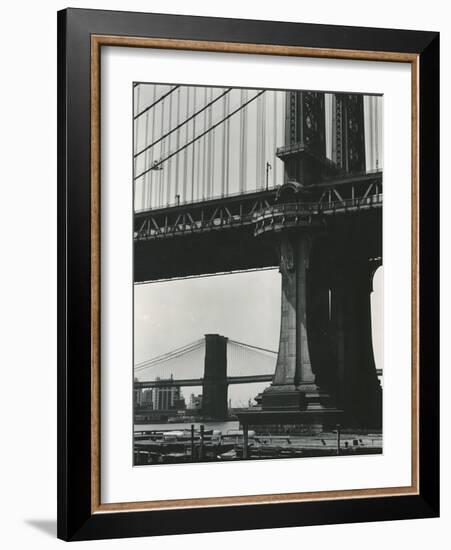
x=194, y=147
x=136, y=109
x=258, y=141
x=263, y=162
x=185, y=152
x=208, y=191
x=274, y=161
x=243, y=141
x=223, y=144
x=153, y=188
x=285, y=137
x=204, y=145
x=240, y=151
x=376, y=117
x=372, y=133
x=150, y=115
x=163, y=148
x=369, y=133
x=198, y=172
x=240, y=158
x=227, y=166
x=145, y=182
x=212, y=156
x=137, y=105
x=169, y=164
x=177, y=144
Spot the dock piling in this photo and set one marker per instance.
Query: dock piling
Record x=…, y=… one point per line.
x=201, y=446
x=192, y=443
x=245, y=440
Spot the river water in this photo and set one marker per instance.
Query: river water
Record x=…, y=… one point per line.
x=224, y=427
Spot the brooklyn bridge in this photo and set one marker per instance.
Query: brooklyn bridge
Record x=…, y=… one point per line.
x=231, y=180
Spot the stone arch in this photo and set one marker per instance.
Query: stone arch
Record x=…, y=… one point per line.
x=377, y=306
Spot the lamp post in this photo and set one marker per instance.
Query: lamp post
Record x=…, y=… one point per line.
x=268, y=168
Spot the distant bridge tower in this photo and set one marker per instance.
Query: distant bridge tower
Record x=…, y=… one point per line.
x=214, y=398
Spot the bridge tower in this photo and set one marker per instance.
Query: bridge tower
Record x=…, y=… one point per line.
x=304, y=152
x=214, y=389
x=325, y=358
x=348, y=141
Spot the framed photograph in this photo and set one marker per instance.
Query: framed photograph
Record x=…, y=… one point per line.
x=248, y=274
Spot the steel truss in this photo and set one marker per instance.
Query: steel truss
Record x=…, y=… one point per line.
x=261, y=210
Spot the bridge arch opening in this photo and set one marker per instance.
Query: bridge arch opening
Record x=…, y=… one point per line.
x=377, y=313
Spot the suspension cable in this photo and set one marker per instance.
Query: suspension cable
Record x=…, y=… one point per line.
x=159, y=163
x=175, y=351
x=242, y=344
x=167, y=359
x=156, y=102
x=186, y=121
x=164, y=357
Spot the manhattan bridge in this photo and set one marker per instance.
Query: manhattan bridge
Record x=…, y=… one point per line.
x=229, y=179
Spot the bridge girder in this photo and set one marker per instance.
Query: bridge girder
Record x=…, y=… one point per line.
x=192, y=382
x=220, y=235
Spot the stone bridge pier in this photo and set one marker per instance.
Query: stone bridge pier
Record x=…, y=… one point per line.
x=358, y=390
x=294, y=385
x=325, y=360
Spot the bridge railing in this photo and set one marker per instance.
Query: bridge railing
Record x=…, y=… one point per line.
x=222, y=218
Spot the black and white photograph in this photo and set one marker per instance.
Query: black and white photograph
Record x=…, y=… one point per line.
x=258, y=278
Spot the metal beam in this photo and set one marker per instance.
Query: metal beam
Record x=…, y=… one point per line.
x=186, y=382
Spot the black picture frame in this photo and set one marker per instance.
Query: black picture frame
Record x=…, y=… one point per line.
x=76, y=519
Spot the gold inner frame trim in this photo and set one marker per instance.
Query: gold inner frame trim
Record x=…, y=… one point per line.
x=97, y=41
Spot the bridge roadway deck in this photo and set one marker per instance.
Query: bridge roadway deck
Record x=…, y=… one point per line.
x=186, y=382
x=199, y=381
x=221, y=235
